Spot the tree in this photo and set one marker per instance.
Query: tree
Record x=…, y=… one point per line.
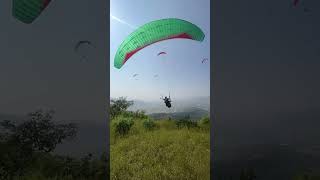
x=38, y=132
x=20, y=142
x=118, y=106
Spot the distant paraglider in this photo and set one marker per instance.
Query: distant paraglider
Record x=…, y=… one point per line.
x=161, y=53
x=204, y=60
x=153, y=32
x=27, y=11
x=135, y=77
x=80, y=44
x=155, y=76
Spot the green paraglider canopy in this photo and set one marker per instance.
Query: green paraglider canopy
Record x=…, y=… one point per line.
x=153, y=32
x=28, y=10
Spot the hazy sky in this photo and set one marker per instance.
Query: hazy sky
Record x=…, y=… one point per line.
x=180, y=71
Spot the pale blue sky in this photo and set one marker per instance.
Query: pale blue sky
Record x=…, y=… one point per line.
x=180, y=71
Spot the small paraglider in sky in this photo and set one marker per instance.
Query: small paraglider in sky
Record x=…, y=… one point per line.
x=161, y=53
x=81, y=47
x=81, y=43
x=135, y=76
x=155, y=76
x=204, y=60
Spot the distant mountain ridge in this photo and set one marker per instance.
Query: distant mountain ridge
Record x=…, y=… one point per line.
x=193, y=113
x=178, y=105
x=12, y=117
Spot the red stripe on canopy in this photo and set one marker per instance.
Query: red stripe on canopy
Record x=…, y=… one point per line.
x=131, y=53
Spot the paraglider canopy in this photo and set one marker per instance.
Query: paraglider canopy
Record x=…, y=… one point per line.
x=28, y=10
x=81, y=43
x=153, y=32
x=161, y=53
x=78, y=48
x=204, y=60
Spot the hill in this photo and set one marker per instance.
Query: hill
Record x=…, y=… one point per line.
x=193, y=113
x=178, y=105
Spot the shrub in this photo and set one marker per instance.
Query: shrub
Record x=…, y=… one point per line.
x=149, y=124
x=167, y=124
x=204, y=123
x=140, y=114
x=186, y=122
x=126, y=114
x=123, y=125
x=205, y=120
x=137, y=114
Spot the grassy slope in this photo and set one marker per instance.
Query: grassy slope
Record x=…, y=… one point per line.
x=165, y=153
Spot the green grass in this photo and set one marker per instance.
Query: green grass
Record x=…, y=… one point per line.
x=163, y=153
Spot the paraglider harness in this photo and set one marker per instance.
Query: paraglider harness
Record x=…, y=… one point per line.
x=167, y=101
